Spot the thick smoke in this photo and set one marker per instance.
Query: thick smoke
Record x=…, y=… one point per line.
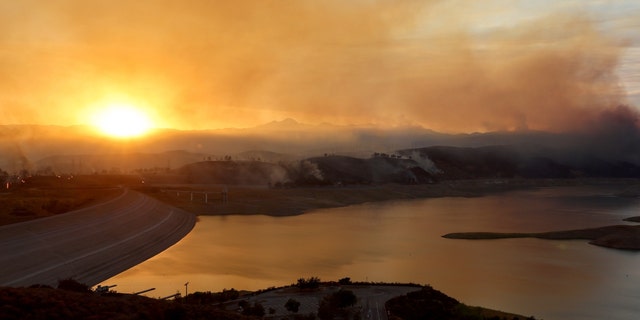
x=204, y=64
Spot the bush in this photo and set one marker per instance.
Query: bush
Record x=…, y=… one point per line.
x=344, y=298
x=256, y=310
x=292, y=305
x=311, y=283
x=211, y=298
x=72, y=285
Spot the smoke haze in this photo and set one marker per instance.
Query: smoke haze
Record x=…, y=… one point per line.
x=443, y=65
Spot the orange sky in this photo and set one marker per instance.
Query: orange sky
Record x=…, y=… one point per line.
x=452, y=66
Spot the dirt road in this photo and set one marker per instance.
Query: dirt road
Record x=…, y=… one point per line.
x=370, y=305
x=91, y=244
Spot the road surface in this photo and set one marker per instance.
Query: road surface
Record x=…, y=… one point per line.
x=371, y=299
x=92, y=244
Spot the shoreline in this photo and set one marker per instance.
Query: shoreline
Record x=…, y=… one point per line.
x=281, y=202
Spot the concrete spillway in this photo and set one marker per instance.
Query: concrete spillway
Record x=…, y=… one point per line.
x=92, y=244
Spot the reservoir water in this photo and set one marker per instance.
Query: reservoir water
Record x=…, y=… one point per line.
x=401, y=242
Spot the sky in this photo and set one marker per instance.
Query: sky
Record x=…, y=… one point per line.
x=450, y=65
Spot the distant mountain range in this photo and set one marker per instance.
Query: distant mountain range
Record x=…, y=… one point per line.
x=608, y=152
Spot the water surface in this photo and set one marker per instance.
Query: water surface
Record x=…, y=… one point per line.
x=401, y=242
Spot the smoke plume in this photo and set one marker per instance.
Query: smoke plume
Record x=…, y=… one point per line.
x=208, y=64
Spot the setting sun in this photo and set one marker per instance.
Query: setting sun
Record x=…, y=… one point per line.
x=122, y=121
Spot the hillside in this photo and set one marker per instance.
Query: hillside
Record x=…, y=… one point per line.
x=326, y=170
x=232, y=172
x=411, y=166
x=507, y=161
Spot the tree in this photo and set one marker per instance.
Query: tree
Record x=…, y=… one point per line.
x=292, y=305
x=344, y=298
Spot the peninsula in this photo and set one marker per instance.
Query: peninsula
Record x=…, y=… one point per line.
x=624, y=237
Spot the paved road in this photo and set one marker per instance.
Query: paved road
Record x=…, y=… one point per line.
x=92, y=244
x=371, y=299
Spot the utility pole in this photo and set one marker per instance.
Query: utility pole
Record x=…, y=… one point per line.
x=186, y=289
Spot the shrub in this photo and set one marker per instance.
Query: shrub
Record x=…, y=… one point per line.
x=72, y=285
x=292, y=305
x=311, y=283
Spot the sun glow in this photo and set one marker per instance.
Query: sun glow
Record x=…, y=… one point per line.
x=122, y=121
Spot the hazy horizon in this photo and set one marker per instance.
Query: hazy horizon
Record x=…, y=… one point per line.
x=556, y=79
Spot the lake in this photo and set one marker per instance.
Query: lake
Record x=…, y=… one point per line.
x=401, y=241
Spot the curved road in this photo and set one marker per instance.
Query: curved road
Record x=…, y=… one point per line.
x=92, y=244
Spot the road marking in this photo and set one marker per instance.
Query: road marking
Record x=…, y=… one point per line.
x=148, y=229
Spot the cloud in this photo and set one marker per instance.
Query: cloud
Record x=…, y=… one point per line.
x=204, y=64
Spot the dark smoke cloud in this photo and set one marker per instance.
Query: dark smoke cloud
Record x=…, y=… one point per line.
x=203, y=64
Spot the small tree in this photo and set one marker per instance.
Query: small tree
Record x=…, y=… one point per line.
x=337, y=304
x=292, y=305
x=256, y=310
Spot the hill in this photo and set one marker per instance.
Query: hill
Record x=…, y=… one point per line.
x=428, y=304
x=326, y=170
x=232, y=172
x=507, y=161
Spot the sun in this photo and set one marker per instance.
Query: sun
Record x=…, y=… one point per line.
x=122, y=121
